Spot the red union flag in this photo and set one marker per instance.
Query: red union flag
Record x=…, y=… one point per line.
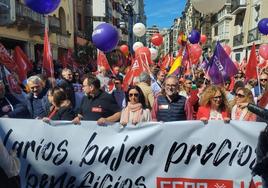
x=7, y=60
x=193, y=183
x=48, y=67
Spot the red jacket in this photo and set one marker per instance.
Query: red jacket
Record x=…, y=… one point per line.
x=204, y=112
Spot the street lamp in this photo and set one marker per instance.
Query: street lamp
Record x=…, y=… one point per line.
x=130, y=12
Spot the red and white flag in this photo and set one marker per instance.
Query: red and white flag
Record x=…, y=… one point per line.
x=7, y=60
x=48, y=66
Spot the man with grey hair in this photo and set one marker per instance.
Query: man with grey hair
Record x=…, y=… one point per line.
x=67, y=84
x=37, y=102
x=170, y=106
x=145, y=85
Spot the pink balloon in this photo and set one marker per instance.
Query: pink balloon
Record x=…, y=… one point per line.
x=203, y=39
x=263, y=51
x=227, y=49
x=195, y=53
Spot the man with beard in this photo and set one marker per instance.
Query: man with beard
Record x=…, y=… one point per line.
x=170, y=106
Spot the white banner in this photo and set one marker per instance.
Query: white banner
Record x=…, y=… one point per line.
x=153, y=155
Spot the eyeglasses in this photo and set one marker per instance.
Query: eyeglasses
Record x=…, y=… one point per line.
x=239, y=95
x=217, y=98
x=171, y=85
x=263, y=80
x=133, y=94
x=117, y=83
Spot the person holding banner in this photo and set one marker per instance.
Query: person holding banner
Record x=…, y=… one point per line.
x=169, y=105
x=97, y=105
x=213, y=105
x=136, y=110
x=9, y=168
x=61, y=108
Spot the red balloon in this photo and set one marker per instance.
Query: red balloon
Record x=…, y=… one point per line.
x=144, y=53
x=227, y=49
x=157, y=39
x=263, y=51
x=203, y=39
x=124, y=49
x=195, y=52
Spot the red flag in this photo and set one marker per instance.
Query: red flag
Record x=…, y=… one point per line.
x=262, y=65
x=7, y=60
x=252, y=184
x=24, y=59
x=251, y=68
x=22, y=63
x=12, y=82
x=165, y=62
x=48, y=66
x=135, y=70
x=102, y=61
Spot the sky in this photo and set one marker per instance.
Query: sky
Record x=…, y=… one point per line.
x=162, y=12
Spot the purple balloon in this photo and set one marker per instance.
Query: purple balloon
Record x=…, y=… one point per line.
x=263, y=26
x=43, y=6
x=105, y=37
x=194, y=37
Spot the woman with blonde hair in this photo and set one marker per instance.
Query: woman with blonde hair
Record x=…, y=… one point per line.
x=242, y=95
x=213, y=105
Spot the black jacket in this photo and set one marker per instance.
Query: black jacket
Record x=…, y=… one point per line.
x=64, y=113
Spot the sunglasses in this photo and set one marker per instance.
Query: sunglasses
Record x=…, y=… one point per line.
x=217, y=98
x=263, y=79
x=239, y=95
x=117, y=83
x=133, y=94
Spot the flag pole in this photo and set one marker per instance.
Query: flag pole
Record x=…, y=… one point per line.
x=258, y=77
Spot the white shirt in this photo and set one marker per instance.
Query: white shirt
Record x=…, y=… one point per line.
x=9, y=163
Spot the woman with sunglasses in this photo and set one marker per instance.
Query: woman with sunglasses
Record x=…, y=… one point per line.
x=135, y=110
x=242, y=95
x=213, y=105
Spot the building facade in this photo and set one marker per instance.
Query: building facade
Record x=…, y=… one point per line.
x=25, y=28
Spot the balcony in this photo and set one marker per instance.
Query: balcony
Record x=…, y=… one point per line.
x=238, y=6
x=238, y=39
x=54, y=24
x=253, y=35
x=26, y=17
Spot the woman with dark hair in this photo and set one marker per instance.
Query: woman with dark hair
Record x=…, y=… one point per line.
x=135, y=110
x=61, y=106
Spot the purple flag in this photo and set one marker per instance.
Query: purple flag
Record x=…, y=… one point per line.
x=221, y=66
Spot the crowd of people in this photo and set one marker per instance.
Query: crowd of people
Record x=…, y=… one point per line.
x=102, y=97
x=77, y=97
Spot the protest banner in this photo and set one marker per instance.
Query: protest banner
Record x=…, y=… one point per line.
x=152, y=155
